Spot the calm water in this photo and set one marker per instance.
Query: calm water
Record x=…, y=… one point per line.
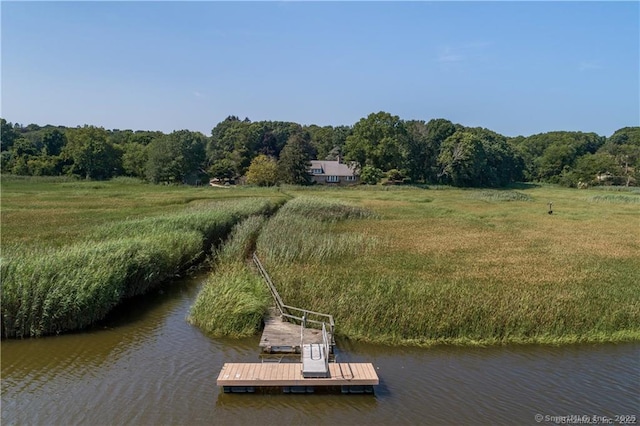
x=150, y=367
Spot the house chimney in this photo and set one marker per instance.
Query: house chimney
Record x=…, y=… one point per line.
x=339, y=159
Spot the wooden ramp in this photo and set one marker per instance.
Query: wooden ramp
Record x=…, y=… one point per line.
x=290, y=374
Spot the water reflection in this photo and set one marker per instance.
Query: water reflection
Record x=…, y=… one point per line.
x=148, y=366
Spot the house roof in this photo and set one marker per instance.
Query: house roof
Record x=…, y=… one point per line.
x=332, y=168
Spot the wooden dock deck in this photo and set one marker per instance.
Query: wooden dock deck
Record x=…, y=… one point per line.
x=280, y=336
x=291, y=330
x=290, y=374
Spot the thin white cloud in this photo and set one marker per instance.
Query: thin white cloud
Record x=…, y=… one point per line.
x=462, y=52
x=449, y=57
x=589, y=65
x=197, y=94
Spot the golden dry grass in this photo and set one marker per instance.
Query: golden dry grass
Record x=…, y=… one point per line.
x=464, y=266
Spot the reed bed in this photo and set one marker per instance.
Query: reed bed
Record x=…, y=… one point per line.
x=57, y=289
x=325, y=210
x=305, y=229
x=615, y=199
x=499, y=195
x=455, y=272
x=234, y=299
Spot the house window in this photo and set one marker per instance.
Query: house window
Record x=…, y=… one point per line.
x=350, y=178
x=316, y=171
x=332, y=179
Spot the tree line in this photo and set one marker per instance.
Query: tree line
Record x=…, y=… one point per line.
x=379, y=145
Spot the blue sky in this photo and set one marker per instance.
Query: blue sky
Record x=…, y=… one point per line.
x=516, y=68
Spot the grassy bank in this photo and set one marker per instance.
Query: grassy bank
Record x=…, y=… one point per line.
x=399, y=265
x=234, y=299
x=463, y=266
x=69, y=281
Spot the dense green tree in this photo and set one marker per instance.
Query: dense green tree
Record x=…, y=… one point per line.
x=229, y=144
x=547, y=155
x=594, y=169
x=294, y=162
x=321, y=140
x=438, y=130
x=263, y=171
x=135, y=157
x=240, y=141
x=270, y=137
x=624, y=146
x=177, y=158
x=418, y=152
x=223, y=169
x=503, y=164
x=395, y=175
x=91, y=154
x=370, y=175
x=380, y=140
x=8, y=135
x=416, y=149
x=625, y=136
x=26, y=147
x=339, y=139
x=53, y=140
x=462, y=159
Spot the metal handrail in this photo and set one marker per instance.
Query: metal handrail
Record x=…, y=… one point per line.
x=287, y=311
x=325, y=340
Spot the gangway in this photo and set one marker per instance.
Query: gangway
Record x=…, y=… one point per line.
x=315, y=357
x=289, y=331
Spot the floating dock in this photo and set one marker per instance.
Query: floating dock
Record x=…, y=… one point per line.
x=293, y=331
x=245, y=377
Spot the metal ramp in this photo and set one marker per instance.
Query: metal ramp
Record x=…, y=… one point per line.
x=315, y=357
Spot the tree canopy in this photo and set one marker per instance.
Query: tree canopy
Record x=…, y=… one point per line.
x=380, y=144
x=294, y=162
x=263, y=171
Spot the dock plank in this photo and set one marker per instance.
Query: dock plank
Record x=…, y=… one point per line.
x=290, y=374
x=283, y=336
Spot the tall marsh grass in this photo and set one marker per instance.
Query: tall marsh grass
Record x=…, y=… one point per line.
x=452, y=278
x=325, y=210
x=234, y=299
x=615, y=199
x=52, y=290
x=305, y=229
x=500, y=195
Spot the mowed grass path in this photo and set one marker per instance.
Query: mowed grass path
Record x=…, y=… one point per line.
x=471, y=266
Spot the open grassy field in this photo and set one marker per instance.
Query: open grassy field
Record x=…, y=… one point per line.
x=463, y=266
x=400, y=265
x=71, y=251
x=50, y=211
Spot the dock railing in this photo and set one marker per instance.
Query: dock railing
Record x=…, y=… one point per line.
x=304, y=316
